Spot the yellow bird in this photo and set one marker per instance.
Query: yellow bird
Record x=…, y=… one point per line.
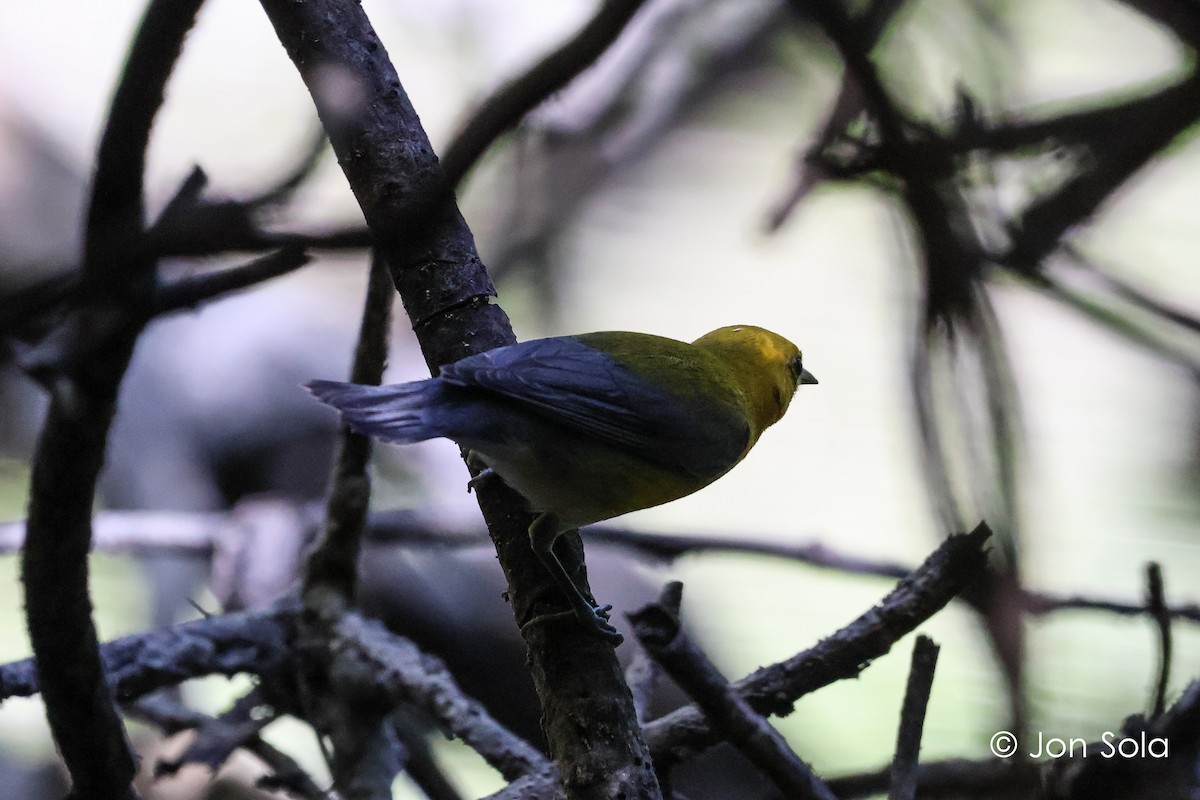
x=592, y=426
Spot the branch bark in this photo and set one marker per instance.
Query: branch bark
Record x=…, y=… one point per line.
x=445, y=290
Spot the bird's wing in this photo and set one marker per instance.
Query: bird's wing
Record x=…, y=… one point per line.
x=568, y=380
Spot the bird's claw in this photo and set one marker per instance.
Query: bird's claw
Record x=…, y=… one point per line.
x=484, y=474
x=599, y=625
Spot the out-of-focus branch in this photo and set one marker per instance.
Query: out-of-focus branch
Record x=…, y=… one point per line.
x=1113, y=160
x=912, y=720
x=810, y=171
x=1156, y=606
x=171, y=716
x=98, y=344
x=507, y=106
x=203, y=533
x=191, y=292
x=332, y=568
x=643, y=672
x=365, y=749
x=218, y=737
x=139, y=532
x=670, y=546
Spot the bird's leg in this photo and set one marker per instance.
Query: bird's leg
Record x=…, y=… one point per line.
x=543, y=533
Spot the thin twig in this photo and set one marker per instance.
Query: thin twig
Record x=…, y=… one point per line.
x=331, y=571
x=912, y=720
x=951, y=568
x=365, y=752
x=504, y=109
x=727, y=711
x=1156, y=606
x=672, y=546
x=191, y=292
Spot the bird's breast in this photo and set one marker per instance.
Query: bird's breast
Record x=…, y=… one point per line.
x=582, y=481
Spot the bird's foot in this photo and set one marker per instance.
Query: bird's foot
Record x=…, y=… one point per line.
x=594, y=619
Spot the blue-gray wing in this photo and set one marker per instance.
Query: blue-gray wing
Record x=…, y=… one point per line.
x=584, y=388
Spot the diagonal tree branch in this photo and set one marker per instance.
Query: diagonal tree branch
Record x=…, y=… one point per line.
x=445, y=290
x=948, y=571
x=661, y=633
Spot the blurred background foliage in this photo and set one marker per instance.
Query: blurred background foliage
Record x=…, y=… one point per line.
x=1054, y=397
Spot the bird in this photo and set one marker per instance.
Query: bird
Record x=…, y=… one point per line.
x=591, y=426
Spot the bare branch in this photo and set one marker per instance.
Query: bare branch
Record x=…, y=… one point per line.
x=948, y=571
x=377, y=663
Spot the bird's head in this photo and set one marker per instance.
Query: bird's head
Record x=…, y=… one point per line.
x=767, y=368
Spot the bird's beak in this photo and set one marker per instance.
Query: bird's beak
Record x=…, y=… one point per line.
x=806, y=377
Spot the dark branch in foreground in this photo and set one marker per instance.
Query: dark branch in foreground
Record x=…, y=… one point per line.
x=136, y=665
x=97, y=343
x=218, y=737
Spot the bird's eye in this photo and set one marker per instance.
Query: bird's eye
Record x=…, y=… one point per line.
x=796, y=365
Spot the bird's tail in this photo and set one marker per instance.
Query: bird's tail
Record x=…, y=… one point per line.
x=399, y=413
